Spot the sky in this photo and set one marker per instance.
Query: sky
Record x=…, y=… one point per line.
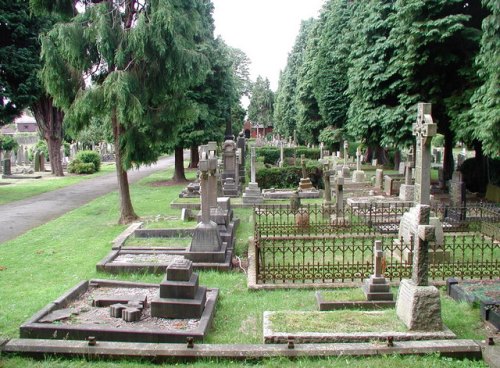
x=264, y=29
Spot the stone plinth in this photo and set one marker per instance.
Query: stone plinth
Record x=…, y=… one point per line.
x=358, y=176
x=377, y=288
x=379, y=178
x=305, y=184
x=419, y=307
x=345, y=172
x=406, y=192
x=253, y=194
x=206, y=245
x=180, y=294
x=230, y=188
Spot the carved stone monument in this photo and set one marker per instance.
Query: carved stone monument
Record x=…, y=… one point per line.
x=241, y=145
x=418, y=304
x=377, y=287
x=206, y=245
x=230, y=174
x=253, y=194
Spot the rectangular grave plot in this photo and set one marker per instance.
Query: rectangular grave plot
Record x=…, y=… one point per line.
x=97, y=322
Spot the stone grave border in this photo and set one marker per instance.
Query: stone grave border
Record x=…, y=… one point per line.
x=180, y=352
x=324, y=305
x=108, y=265
x=272, y=337
x=32, y=329
x=490, y=311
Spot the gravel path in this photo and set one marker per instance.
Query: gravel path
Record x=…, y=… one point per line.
x=18, y=217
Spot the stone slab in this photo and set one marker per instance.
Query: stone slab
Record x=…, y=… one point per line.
x=179, y=289
x=272, y=337
x=119, y=299
x=361, y=304
x=169, y=352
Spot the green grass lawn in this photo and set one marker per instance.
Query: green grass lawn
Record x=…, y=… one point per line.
x=40, y=265
x=13, y=190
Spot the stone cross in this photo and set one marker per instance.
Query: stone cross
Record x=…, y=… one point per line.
x=252, y=164
x=303, y=164
x=409, y=167
x=26, y=156
x=424, y=234
x=424, y=129
x=358, y=159
x=378, y=257
x=346, y=146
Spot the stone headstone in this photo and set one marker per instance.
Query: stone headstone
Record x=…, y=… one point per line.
x=26, y=156
x=305, y=183
x=241, y=145
x=20, y=155
x=358, y=176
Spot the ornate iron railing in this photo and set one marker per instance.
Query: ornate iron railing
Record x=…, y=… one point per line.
x=330, y=248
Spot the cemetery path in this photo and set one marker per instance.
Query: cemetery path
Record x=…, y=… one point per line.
x=18, y=217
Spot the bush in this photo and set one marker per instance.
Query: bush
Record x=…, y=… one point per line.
x=78, y=167
x=438, y=140
x=7, y=143
x=89, y=157
x=288, y=176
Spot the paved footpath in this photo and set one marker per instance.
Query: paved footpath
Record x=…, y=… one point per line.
x=18, y=217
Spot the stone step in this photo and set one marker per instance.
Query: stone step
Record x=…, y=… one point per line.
x=180, y=308
x=180, y=289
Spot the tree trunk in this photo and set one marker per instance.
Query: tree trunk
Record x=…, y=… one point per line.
x=50, y=120
x=397, y=159
x=127, y=213
x=179, y=174
x=448, y=163
x=195, y=158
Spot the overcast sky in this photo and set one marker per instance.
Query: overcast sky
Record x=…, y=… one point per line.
x=264, y=29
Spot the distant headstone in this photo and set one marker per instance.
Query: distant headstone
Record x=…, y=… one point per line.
x=376, y=287
x=252, y=193
x=305, y=183
x=379, y=178
x=358, y=176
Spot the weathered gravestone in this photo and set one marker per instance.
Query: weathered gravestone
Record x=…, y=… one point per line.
x=418, y=304
x=252, y=193
x=379, y=178
x=241, y=144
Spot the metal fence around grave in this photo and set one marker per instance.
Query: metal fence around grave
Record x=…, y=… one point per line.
x=341, y=250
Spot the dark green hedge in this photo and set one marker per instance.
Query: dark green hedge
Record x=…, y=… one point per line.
x=288, y=176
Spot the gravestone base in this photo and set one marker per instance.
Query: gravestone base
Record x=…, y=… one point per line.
x=419, y=307
x=377, y=288
x=435, y=256
x=252, y=194
x=305, y=184
x=230, y=188
x=358, y=176
x=345, y=172
x=206, y=238
x=406, y=192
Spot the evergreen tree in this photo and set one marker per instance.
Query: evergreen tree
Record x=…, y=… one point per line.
x=260, y=110
x=20, y=87
x=285, y=116
x=485, y=120
x=130, y=63
x=435, y=42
